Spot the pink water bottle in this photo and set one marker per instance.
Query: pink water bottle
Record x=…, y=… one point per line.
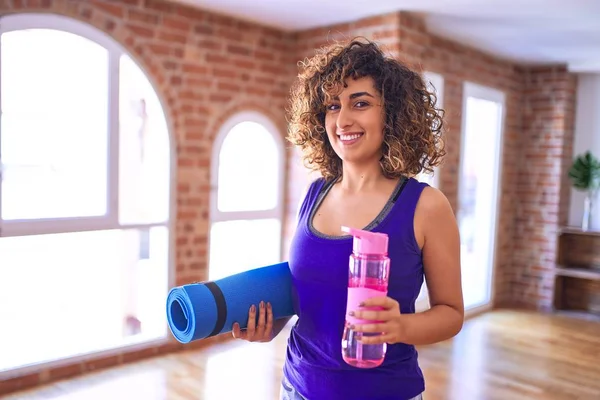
x=368, y=277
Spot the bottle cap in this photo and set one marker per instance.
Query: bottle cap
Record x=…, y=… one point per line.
x=366, y=242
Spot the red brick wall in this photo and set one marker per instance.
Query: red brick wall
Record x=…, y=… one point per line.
x=523, y=273
x=542, y=184
x=206, y=67
x=459, y=64
x=405, y=36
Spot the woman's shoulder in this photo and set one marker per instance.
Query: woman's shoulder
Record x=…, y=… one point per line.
x=313, y=186
x=432, y=200
x=308, y=194
x=433, y=212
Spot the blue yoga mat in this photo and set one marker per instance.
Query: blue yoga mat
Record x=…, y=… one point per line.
x=200, y=310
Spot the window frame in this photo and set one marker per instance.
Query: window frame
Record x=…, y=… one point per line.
x=278, y=211
x=22, y=227
x=22, y=21
x=492, y=94
x=437, y=80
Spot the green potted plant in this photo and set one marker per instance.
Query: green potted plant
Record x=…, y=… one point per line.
x=585, y=176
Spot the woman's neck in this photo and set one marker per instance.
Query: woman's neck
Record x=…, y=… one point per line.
x=356, y=178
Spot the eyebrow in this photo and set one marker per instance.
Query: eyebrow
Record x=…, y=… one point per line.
x=357, y=94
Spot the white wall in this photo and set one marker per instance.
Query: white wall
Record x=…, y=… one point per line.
x=587, y=137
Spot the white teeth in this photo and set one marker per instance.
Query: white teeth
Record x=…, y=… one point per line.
x=350, y=137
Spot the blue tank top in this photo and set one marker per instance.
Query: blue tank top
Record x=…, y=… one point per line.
x=319, y=267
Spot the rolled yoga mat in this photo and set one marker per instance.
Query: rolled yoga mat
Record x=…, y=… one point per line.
x=200, y=310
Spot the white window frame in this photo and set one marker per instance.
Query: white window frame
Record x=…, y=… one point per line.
x=14, y=22
x=472, y=89
x=110, y=220
x=437, y=80
x=278, y=211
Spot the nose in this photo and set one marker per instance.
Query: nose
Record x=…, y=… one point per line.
x=344, y=119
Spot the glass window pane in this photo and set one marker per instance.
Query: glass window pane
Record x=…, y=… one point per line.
x=54, y=93
x=144, y=164
x=110, y=293
x=435, y=84
x=248, y=169
x=256, y=242
x=477, y=206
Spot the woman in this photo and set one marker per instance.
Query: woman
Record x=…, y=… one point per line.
x=369, y=125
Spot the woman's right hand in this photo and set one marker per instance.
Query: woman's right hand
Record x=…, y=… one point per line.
x=261, y=332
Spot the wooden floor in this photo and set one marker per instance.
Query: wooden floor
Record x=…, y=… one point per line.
x=501, y=355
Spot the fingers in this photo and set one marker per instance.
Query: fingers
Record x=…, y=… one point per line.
x=388, y=331
x=269, y=325
x=260, y=329
x=382, y=301
x=372, y=315
x=371, y=328
x=380, y=309
x=251, y=328
x=256, y=331
x=237, y=332
x=379, y=339
x=382, y=328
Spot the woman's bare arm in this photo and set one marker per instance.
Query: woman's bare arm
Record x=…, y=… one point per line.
x=437, y=232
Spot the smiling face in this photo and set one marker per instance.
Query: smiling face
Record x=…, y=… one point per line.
x=354, y=121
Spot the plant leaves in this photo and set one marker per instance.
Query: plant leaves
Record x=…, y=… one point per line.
x=585, y=172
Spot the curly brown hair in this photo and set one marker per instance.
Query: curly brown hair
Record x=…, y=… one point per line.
x=413, y=140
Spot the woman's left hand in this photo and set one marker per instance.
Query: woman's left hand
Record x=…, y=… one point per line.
x=389, y=321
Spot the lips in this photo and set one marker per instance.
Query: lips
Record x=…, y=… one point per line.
x=350, y=137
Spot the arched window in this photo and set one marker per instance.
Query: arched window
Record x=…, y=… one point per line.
x=85, y=194
x=246, y=196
